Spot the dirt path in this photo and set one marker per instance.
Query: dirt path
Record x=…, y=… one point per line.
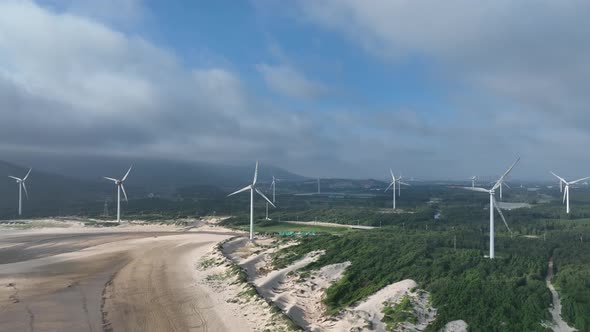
x=560, y=324
x=58, y=284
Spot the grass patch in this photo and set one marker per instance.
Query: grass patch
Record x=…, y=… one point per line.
x=395, y=314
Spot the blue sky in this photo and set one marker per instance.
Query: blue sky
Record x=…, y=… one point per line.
x=329, y=88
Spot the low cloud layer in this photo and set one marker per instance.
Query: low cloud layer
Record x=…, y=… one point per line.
x=72, y=83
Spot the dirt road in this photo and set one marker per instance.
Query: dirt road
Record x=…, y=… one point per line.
x=116, y=282
x=559, y=324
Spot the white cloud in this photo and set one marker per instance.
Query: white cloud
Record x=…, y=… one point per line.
x=522, y=67
x=71, y=83
x=287, y=80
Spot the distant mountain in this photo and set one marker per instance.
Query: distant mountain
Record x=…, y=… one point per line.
x=58, y=181
x=49, y=193
x=157, y=174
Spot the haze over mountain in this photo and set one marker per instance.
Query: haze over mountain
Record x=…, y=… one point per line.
x=56, y=183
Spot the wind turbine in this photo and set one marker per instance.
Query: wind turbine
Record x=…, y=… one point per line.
x=21, y=186
x=119, y=184
x=399, y=185
x=273, y=187
x=494, y=204
x=392, y=184
x=473, y=178
x=252, y=188
x=504, y=184
x=319, y=186
x=566, y=193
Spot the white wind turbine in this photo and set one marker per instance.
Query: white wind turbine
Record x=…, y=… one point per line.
x=473, y=178
x=494, y=204
x=273, y=185
x=392, y=184
x=252, y=188
x=566, y=193
x=21, y=186
x=395, y=180
x=504, y=184
x=399, y=185
x=119, y=184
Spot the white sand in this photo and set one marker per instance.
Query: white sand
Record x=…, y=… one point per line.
x=367, y=315
x=300, y=295
x=213, y=272
x=455, y=326
x=156, y=285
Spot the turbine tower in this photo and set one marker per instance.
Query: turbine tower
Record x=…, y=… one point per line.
x=21, y=186
x=119, y=184
x=272, y=186
x=252, y=188
x=566, y=191
x=319, y=186
x=494, y=204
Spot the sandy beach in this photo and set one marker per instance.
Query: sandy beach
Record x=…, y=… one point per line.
x=127, y=278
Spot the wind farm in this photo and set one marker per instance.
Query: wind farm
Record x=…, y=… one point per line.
x=449, y=223
x=282, y=166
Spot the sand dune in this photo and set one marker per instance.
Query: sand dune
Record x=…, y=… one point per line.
x=300, y=295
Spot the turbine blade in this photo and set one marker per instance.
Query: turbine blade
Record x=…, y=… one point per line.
x=405, y=184
x=578, y=180
x=124, y=193
x=114, y=180
x=391, y=184
x=557, y=176
x=392, y=176
x=25, y=188
x=506, y=185
x=14, y=177
x=565, y=192
x=478, y=189
x=241, y=190
x=501, y=179
x=266, y=198
x=126, y=174
x=26, y=176
x=255, y=173
x=501, y=214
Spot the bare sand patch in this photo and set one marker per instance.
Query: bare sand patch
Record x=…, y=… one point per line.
x=153, y=283
x=455, y=326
